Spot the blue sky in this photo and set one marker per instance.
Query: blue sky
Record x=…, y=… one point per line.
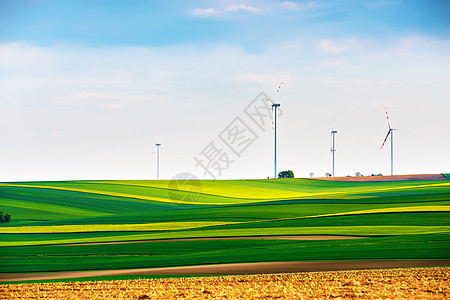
x=85, y=84
x=248, y=23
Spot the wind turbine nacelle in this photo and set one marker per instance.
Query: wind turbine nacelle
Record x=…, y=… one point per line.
x=275, y=104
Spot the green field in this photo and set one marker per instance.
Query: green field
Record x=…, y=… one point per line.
x=402, y=220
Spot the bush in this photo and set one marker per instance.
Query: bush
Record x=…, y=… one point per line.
x=286, y=174
x=4, y=218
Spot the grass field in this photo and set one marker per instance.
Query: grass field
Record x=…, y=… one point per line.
x=54, y=222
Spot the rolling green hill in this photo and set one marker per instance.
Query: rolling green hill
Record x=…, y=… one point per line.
x=400, y=220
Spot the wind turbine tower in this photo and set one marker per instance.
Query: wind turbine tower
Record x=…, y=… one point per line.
x=157, y=148
x=157, y=160
x=390, y=132
x=333, y=149
x=274, y=124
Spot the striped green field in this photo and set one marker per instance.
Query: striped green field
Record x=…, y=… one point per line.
x=55, y=223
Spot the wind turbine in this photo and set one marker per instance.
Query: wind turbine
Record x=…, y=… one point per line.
x=157, y=147
x=333, y=149
x=274, y=124
x=390, y=132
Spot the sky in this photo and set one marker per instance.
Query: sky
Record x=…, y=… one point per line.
x=84, y=85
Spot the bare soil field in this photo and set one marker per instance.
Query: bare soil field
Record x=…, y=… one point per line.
x=421, y=283
x=386, y=178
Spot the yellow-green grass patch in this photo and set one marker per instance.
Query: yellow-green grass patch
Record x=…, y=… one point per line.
x=405, y=209
x=219, y=189
x=374, y=189
x=107, y=193
x=235, y=193
x=274, y=191
x=62, y=209
x=165, y=226
x=233, y=189
x=325, y=230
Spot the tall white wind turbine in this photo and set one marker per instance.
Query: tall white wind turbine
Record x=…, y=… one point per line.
x=390, y=132
x=157, y=148
x=274, y=124
x=333, y=149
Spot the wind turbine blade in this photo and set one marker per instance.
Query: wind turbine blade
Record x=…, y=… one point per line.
x=276, y=95
x=387, y=117
x=389, y=132
x=334, y=121
x=278, y=90
x=269, y=101
x=153, y=151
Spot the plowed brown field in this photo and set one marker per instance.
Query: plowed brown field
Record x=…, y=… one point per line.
x=421, y=283
x=386, y=178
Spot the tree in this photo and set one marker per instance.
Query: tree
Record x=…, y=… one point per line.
x=358, y=174
x=4, y=217
x=327, y=174
x=286, y=174
x=311, y=174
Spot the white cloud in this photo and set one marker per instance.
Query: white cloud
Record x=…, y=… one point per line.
x=251, y=77
x=263, y=79
x=299, y=6
x=291, y=46
x=356, y=83
x=241, y=7
x=204, y=11
x=327, y=46
x=413, y=42
x=289, y=5
x=331, y=47
x=224, y=10
x=24, y=55
x=110, y=100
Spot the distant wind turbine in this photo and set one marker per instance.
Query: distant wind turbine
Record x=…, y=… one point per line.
x=157, y=148
x=274, y=124
x=390, y=132
x=333, y=149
